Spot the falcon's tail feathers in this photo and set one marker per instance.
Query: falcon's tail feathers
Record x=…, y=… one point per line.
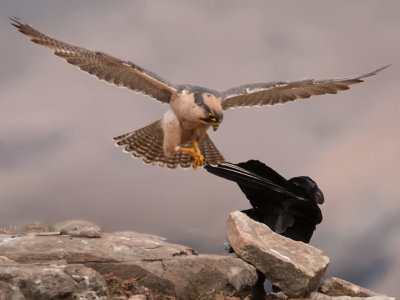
x=210, y=152
x=147, y=142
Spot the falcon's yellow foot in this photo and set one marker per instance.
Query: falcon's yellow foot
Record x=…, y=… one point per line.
x=195, y=153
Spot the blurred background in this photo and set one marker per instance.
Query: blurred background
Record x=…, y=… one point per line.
x=58, y=161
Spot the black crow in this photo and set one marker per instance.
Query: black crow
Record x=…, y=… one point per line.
x=288, y=207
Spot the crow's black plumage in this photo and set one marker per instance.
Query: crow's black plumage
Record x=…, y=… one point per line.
x=288, y=207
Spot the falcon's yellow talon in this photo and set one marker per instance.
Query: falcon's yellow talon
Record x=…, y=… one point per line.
x=195, y=153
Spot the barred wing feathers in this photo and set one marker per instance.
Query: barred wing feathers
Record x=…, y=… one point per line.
x=259, y=94
x=104, y=66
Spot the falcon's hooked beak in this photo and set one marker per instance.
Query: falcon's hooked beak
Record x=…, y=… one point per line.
x=215, y=126
x=214, y=121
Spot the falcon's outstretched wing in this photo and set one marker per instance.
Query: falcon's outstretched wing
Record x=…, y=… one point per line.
x=104, y=66
x=280, y=92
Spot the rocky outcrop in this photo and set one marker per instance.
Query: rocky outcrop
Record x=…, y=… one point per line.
x=78, y=228
x=52, y=280
x=336, y=289
x=319, y=296
x=153, y=264
x=339, y=287
x=74, y=260
x=295, y=267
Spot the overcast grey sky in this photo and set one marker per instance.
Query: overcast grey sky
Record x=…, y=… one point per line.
x=57, y=159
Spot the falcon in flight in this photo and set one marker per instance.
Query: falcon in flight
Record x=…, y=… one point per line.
x=180, y=137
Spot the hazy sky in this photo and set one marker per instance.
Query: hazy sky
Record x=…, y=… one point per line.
x=57, y=159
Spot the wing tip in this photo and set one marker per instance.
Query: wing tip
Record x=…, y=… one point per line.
x=15, y=19
x=382, y=68
x=374, y=72
x=24, y=28
x=16, y=22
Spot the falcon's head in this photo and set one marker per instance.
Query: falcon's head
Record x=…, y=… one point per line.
x=211, y=106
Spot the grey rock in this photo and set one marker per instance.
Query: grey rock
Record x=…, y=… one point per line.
x=137, y=297
x=319, y=296
x=78, y=228
x=276, y=296
x=209, y=273
x=88, y=295
x=160, y=266
x=10, y=292
x=32, y=228
x=183, y=275
x=112, y=247
x=339, y=287
x=5, y=259
x=52, y=280
x=295, y=267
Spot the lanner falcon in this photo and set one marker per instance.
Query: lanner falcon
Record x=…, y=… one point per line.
x=180, y=137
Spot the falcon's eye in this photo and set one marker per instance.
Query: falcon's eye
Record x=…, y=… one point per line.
x=212, y=117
